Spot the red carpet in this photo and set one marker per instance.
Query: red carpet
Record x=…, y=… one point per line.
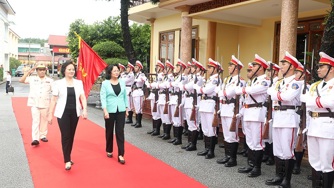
x=92, y=168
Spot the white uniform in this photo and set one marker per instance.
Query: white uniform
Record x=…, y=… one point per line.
x=173, y=100
x=151, y=97
x=137, y=93
x=254, y=114
x=274, y=103
x=207, y=105
x=129, y=80
x=163, y=87
x=320, y=134
x=39, y=100
x=285, y=118
x=227, y=100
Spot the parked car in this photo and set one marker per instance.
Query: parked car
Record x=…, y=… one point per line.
x=19, y=71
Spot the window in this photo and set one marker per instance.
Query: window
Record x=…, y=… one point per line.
x=167, y=47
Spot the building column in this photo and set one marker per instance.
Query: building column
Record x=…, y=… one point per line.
x=152, y=60
x=289, y=23
x=211, y=43
x=186, y=34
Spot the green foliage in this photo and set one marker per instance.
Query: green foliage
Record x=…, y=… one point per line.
x=110, y=61
x=109, y=30
x=155, y=1
x=109, y=49
x=33, y=41
x=13, y=63
x=1, y=74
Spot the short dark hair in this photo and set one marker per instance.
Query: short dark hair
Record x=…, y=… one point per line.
x=109, y=69
x=67, y=63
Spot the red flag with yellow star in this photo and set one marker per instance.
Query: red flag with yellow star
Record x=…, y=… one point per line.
x=90, y=66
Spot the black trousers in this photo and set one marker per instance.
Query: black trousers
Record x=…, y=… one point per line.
x=67, y=125
x=116, y=120
x=7, y=86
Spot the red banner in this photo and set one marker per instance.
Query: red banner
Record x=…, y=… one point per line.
x=90, y=66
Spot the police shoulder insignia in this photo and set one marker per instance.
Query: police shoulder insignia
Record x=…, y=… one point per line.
x=264, y=83
x=240, y=84
x=215, y=81
x=295, y=86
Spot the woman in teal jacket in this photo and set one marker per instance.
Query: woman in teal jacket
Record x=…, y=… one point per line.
x=114, y=105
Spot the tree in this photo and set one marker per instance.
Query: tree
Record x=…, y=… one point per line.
x=109, y=49
x=14, y=63
x=327, y=41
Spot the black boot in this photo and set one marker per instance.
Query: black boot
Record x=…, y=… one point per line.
x=286, y=183
x=317, y=181
x=265, y=153
x=168, y=129
x=271, y=160
x=174, y=134
x=157, y=128
x=129, y=120
x=245, y=147
x=233, y=154
x=185, y=130
x=227, y=154
x=212, y=142
x=280, y=168
x=200, y=135
x=193, y=142
x=188, y=144
x=206, y=145
x=258, y=154
x=299, y=158
x=178, y=136
x=133, y=125
x=154, y=125
x=250, y=160
x=140, y=116
x=328, y=179
x=164, y=131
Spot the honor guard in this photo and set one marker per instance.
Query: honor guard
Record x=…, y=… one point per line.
x=163, y=103
x=121, y=70
x=227, y=97
x=191, y=105
x=207, y=108
x=299, y=154
x=254, y=113
x=268, y=155
x=38, y=100
x=129, y=78
x=154, y=96
x=285, y=124
x=175, y=103
x=138, y=94
x=320, y=133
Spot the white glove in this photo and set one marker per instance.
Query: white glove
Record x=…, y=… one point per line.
x=238, y=116
x=270, y=121
x=218, y=112
x=196, y=86
x=167, y=102
x=305, y=131
x=181, y=105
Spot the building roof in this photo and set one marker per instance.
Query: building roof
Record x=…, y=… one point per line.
x=57, y=40
x=7, y=6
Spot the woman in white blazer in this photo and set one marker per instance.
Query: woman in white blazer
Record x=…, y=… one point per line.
x=67, y=94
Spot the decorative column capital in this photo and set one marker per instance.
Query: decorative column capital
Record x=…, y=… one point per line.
x=183, y=8
x=151, y=20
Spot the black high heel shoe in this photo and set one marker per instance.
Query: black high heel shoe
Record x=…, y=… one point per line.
x=122, y=161
x=109, y=155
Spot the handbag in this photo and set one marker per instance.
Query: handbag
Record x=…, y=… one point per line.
x=11, y=89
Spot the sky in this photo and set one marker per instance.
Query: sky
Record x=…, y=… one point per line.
x=41, y=18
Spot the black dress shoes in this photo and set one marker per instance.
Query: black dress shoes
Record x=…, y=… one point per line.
x=44, y=139
x=245, y=169
x=35, y=143
x=122, y=161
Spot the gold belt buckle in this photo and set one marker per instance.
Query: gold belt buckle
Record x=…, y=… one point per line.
x=246, y=106
x=315, y=114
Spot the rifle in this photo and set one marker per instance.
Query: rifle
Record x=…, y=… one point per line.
x=265, y=133
x=145, y=89
x=302, y=123
x=167, y=99
x=179, y=98
x=193, y=110
x=233, y=126
x=156, y=93
x=216, y=118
